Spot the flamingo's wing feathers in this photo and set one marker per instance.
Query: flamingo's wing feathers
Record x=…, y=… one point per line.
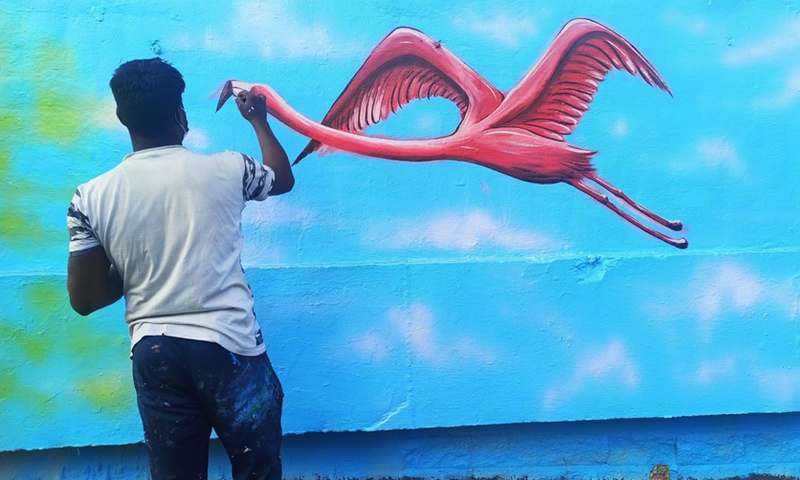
x=405, y=66
x=554, y=95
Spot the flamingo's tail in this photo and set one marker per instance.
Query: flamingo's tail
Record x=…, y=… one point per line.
x=596, y=194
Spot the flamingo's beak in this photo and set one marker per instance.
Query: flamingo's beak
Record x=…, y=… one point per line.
x=226, y=92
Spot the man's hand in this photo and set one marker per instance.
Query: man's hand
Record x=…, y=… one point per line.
x=252, y=107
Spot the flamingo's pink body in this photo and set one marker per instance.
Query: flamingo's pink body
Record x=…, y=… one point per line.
x=520, y=134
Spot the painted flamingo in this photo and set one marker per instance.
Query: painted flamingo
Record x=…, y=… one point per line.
x=520, y=134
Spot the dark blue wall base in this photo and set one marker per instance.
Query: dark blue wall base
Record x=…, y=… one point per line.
x=753, y=446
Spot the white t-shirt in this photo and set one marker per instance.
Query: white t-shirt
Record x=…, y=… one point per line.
x=170, y=221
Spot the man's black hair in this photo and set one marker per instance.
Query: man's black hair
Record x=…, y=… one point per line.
x=148, y=95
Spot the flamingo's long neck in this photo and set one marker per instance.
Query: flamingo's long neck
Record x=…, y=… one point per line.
x=391, y=149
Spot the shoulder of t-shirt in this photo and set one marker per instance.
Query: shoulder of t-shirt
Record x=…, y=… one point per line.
x=230, y=156
x=98, y=180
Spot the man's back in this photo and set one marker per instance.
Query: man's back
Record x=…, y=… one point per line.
x=170, y=221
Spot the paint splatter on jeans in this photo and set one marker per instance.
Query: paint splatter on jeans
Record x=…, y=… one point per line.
x=185, y=388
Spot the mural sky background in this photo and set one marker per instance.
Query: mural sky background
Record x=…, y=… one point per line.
x=400, y=295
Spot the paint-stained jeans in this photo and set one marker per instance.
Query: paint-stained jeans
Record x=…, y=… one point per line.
x=185, y=388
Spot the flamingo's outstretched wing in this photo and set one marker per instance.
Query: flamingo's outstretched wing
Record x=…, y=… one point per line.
x=405, y=66
x=551, y=99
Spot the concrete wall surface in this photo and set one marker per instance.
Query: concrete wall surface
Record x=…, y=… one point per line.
x=754, y=446
x=450, y=319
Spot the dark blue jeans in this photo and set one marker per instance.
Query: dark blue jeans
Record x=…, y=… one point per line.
x=184, y=388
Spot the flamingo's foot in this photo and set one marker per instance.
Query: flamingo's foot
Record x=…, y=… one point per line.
x=675, y=225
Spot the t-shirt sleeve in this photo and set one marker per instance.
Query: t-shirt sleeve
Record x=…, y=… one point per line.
x=257, y=180
x=82, y=238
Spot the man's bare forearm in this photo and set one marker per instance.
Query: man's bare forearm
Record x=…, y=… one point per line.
x=93, y=283
x=274, y=156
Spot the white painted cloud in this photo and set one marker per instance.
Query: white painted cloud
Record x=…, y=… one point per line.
x=611, y=364
x=713, y=153
x=275, y=29
x=728, y=289
x=507, y=28
x=257, y=220
x=104, y=115
x=416, y=326
x=694, y=25
x=782, y=42
x=780, y=386
x=375, y=344
x=780, y=49
x=786, y=97
x=719, y=153
x=715, y=370
x=197, y=139
x=462, y=232
x=620, y=128
x=728, y=286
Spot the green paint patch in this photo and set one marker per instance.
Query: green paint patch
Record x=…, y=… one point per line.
x=83, y=336
x=16, y=228
x=58, y=119
x=5, y=160
x=31, y=343
x=43, y=402
x=109, y=392
x=44, y=299
x=84, y=344
x=8, y=383
x=57, y=57
x=34, y=346
x=14, y=391
x=9, y=122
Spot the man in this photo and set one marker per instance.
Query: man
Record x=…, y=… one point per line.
x=163, y=229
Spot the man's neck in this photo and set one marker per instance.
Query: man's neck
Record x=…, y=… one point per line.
x=142, y=143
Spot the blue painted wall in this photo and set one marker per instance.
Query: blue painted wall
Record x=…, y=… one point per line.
x=403, y=296
x=719, y=447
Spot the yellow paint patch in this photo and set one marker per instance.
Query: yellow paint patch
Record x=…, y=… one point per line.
x=16, y=228
x=32, y=344
x=110, y=392
x=7, y=384
x=83, y=337
x=5, y=157
x=45, y=298
x=59, y=118
x=9, y=122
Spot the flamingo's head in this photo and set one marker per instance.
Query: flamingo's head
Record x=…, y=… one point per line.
x=229, y=89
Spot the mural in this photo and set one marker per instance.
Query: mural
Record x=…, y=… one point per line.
x=520, y=134
x=399, y=295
